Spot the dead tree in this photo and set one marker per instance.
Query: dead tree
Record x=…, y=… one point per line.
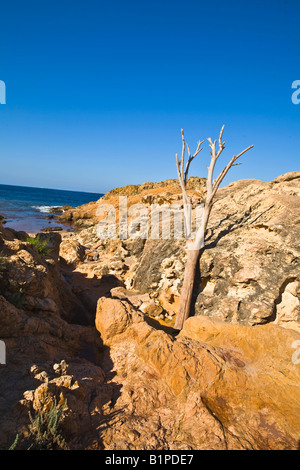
x=183, y=179
x=194, y=246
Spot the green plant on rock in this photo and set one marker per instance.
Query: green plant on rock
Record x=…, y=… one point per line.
x=12, y=446
x=40, y=245
x=45, y=429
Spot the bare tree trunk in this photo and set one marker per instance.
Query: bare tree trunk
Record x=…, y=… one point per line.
x=187, y=288
x=194, y=247
x=193, y=253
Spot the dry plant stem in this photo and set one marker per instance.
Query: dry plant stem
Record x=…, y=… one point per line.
x=194, y=247
x=183, y=179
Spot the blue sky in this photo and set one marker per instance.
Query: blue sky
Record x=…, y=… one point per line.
x=97, y=91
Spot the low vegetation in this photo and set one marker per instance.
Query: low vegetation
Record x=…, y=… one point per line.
x=45, y=429
x=40, y=245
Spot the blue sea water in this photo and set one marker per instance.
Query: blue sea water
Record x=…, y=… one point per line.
x=26, y=208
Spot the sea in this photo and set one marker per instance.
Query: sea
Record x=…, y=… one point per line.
x=28, y=209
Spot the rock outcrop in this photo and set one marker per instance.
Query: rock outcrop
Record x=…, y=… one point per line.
x=249, y=270
x=88, y=325
x=215, y=386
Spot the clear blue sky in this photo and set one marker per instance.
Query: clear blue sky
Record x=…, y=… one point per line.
x=97, y=91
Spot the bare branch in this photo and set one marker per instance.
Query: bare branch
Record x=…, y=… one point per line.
x=183, y=174
x=214, y=157
x=188, y=149
x=221, y=144
x=223, y=173
x=183, y=152
x=183, y=179
x=199, y=148
x=179, y=172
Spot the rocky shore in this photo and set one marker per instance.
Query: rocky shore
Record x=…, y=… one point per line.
x=88, y=325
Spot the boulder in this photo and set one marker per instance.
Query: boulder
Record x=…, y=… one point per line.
x=71, y=251
x=53, y=243
x=214, y=386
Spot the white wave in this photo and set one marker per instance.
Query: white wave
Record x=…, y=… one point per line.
x=45, y=209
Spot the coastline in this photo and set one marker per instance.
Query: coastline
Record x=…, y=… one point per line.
x=39, y=209
x=54, y=225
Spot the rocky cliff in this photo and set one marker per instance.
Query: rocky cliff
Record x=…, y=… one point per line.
x=89, y=325
x=249, y=270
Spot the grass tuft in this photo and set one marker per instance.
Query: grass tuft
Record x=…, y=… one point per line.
x=41, y=246
x=45, y=429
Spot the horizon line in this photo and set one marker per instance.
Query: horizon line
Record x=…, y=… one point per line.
x=51, y=189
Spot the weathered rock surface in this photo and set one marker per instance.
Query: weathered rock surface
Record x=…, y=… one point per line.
x=215, y=386
x=35, y=342
x=229, y=380
x=71, y=251
x=249, y=270
x=34, y=282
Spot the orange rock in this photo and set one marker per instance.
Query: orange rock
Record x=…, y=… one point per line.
x=232, y=386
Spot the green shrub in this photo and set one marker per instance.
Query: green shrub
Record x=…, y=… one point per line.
x=41, y=246
x=14, y=444
x=45, y=432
